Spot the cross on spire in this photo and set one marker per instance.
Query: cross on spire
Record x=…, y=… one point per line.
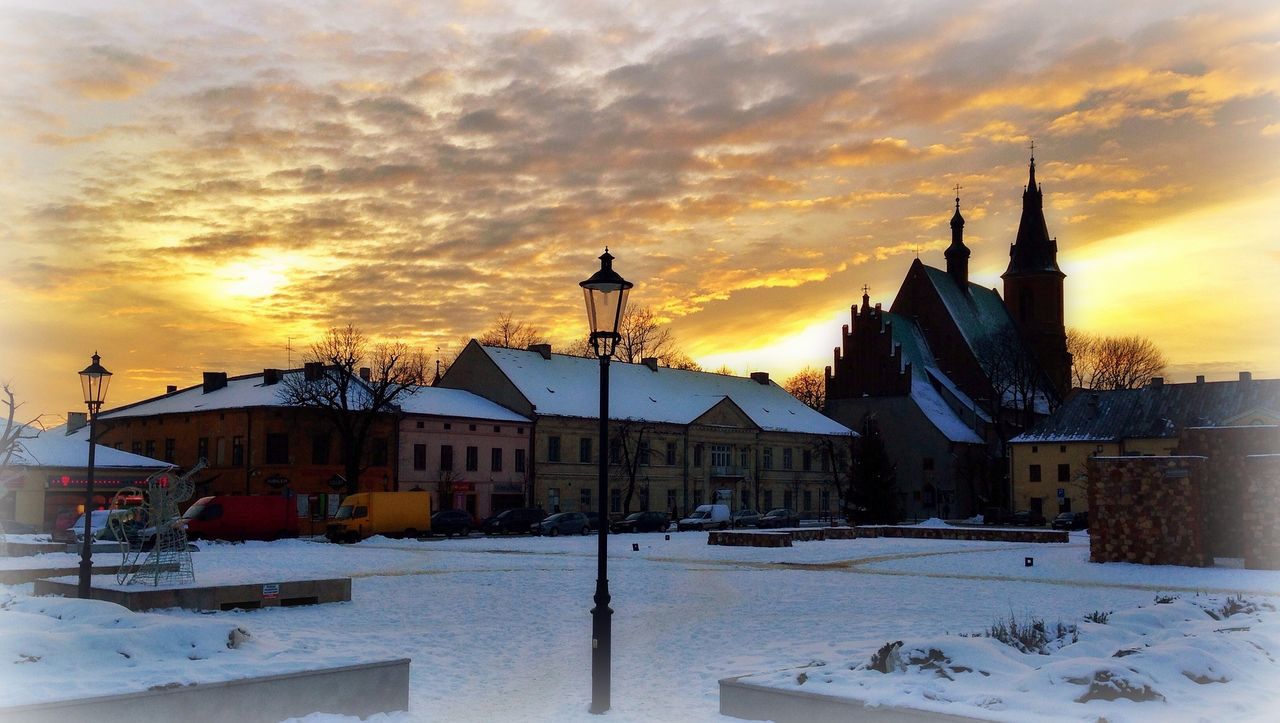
x=866, y=289
x=1033, y=149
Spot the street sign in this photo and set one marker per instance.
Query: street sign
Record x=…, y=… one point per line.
x=1062, y=492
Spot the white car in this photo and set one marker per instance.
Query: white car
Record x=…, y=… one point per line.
x=98, y=524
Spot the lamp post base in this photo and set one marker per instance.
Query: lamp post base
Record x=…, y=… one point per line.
x=600, y=646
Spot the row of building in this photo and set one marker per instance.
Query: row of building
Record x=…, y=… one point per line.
x=502, y=428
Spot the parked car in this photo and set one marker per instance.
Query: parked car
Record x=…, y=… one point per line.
x=518, y=520
x=593, y=520
x=1027, y=518
x=706, y=517
x=642, y=522
x=1071, y=521
x=98, y=526
x=746, y=518
x=779, y=517
x=236, y=518
x=452, y=522
x=562, y=523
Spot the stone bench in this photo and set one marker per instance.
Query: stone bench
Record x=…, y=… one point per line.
x=212, y=597
x=980, y=534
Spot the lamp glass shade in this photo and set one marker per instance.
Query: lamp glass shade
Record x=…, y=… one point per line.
x=606, y=296
x=94, y=380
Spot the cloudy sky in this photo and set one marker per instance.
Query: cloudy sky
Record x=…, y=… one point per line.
x=190, y=185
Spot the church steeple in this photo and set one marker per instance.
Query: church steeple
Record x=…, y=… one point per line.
x=1033, y=251
x=957, y=253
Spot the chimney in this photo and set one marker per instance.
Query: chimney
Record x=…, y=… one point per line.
x=170, y=389
x=313, y=371
x=543, y=349
x=1246, y=376
x=651, y=362
x=760, y=378
x=76, y=421
x=270, y=376
x=1199, y=379
x=1093, y=403
x=213, y=381
x=366, y=373
x=1157, y=383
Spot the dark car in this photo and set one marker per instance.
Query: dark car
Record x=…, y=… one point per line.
x=562, y=523
x=642, y=522
x=1027, y=518
x=593, y=520
x=780, y=517
x=1071, y=521
x=746, y=518
x=452, y=522
x=517, y=520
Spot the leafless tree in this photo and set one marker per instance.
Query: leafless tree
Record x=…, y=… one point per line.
x=353, y=405
x=839, y=454
x=809, y=386
x=629, y=450
x=643, y=336
x=1113, y=362
x=14, y=430
x=1014, y=378
x=512, y=334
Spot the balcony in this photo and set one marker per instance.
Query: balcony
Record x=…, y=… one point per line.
x=728, y=471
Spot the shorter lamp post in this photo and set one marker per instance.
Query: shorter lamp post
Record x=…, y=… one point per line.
x=606, y=296
x=94, y=380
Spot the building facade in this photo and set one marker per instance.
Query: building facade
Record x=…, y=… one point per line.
x=677, y=438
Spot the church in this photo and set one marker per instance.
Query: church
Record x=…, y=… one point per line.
x=953, y=370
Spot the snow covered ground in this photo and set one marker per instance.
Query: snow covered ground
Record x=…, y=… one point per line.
x=499, y=629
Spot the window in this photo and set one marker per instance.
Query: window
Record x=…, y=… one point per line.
x=319, y=449
x=768, y=457
x=446, y=458
x=1062, y=448
x=170, y=447
x=824, y=500
x=519, y=430
x=671, y=499
x=421, y=425
x=519, y=464
x=448, y=426
x=495, y=459
x=671, y=453
x=1037, y=505
x=497, y=429
x=137, y=447
x=745, y=498
x=419, y=456
x=553, y=449
x=615, y=500
x=806, y=461
x=277, y=451
x=927, y=464
x=643, y=454
x=720, y=455
x=808, y=500
x=1064, y=472
x=378, y=452
x=471, y=428
x=584, y=450
x=786, y=460
x=826, y=461
x=786, y=500
x=1035, y=473
x=768, y=500
x=615, y=450
x=151, y=447
x=202, y=448
x=222, y=451
x=553, y=499
x=742, y=458
x=1034, y=449
x=237, y=451
x=584, y=498
x=697, y=455
x=473, y=459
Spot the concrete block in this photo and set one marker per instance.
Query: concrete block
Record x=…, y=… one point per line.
x=212, y=597
x=741, y=698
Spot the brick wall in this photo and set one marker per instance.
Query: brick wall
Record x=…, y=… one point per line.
x=1261, y=518
x=1148, y=510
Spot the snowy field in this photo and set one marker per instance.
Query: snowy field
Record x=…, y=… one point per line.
x=499, y=629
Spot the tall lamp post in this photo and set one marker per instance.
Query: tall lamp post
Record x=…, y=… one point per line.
x=606, y=295
x=94, y=380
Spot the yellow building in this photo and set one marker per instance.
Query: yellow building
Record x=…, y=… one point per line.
x=1048, y=471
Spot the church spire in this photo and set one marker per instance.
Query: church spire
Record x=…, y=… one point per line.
x=1032, y=251
x=957, y=253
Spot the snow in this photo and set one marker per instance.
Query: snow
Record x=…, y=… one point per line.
x=569, y=386
x=442, y=402
x=55, y=448
x=499, y=628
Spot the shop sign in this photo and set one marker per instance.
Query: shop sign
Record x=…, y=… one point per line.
x=58, y=482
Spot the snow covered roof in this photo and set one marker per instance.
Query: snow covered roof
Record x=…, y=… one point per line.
x=569, y=386
x=1154, y=411
x=442, y=402
x=915, y=351
x=247, y=390
x=55, y=448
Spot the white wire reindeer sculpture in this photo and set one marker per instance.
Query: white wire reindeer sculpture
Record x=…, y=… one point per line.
x=169, y=559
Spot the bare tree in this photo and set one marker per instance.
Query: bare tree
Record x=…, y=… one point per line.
x=14, y=430
x=809, y=386
x=839, y=454
x=1015, y=380
x=512, y=334
x=351, y=404
x=629, y=450
x=643, y=336
x=1113, y=362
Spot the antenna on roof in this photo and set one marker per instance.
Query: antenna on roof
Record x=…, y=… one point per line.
x=288, y=352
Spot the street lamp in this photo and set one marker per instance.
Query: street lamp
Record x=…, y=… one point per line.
x=94, y=380
x=606, y=296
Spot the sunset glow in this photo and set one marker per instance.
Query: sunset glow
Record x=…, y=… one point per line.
x=192, y=186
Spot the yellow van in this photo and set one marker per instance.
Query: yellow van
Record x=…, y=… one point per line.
x=394, y=514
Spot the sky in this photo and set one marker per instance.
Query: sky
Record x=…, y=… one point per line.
x=190, y=186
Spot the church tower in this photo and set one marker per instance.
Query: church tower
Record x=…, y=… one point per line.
x=1033, y=289
x=957, y=253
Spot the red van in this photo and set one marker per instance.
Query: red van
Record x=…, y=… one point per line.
x=242, y=517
